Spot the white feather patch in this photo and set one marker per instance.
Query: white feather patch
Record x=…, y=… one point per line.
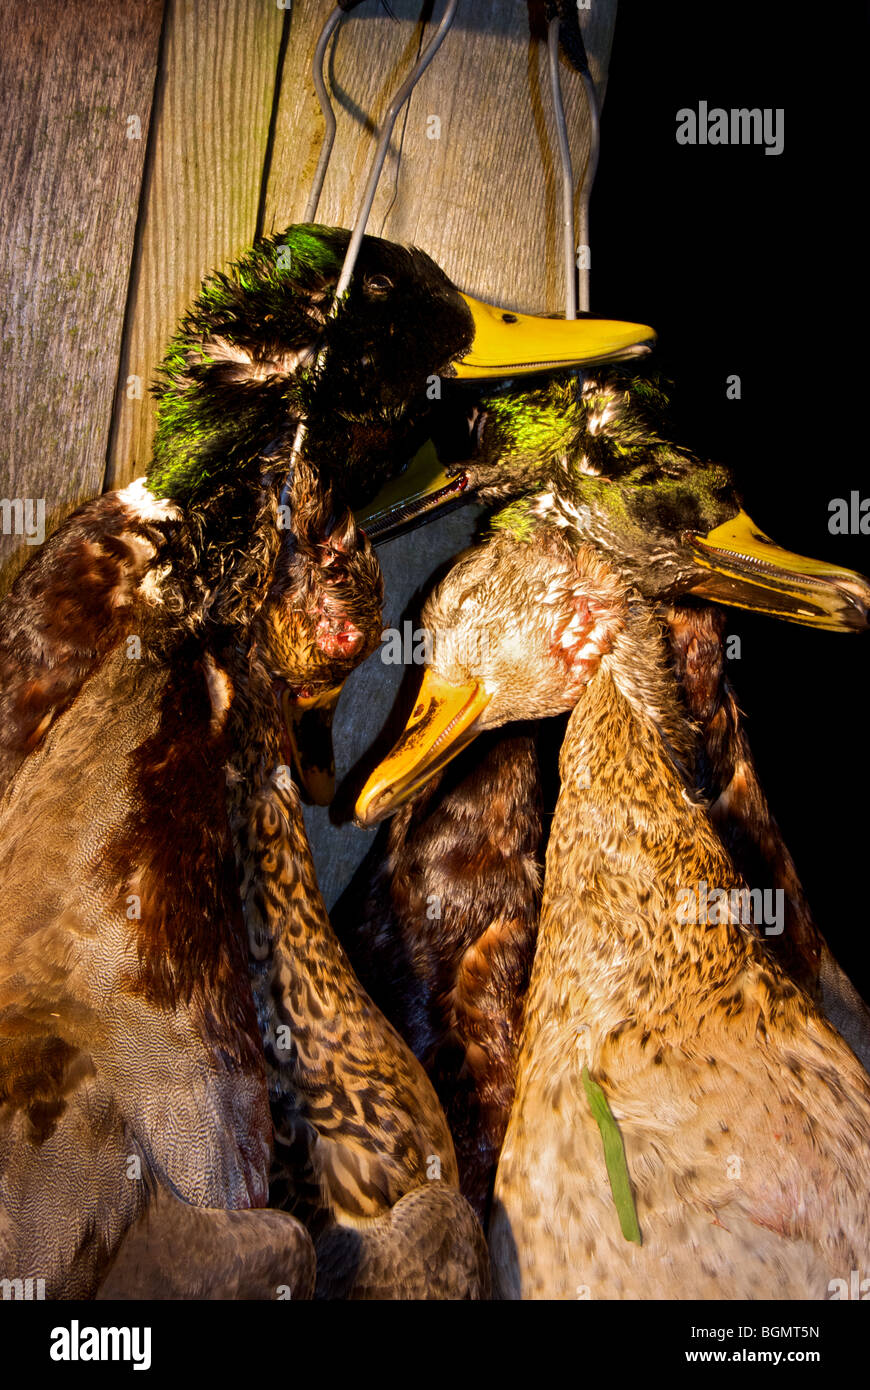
x=141, y=501
x=282, y=364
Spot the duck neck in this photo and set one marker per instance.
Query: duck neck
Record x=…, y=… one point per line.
x=284, y=910
x=335, y=1066
x=739, y=808
x=627, y=841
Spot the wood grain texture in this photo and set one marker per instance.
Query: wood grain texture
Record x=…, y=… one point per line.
x=213, y=106
x=483, y=199
x=69, y=194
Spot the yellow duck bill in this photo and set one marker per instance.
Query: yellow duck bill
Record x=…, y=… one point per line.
x=511, y=344
x=505, y=344
x=745, y=568
x=308, y=721
x=442, y=723
x=408, y=500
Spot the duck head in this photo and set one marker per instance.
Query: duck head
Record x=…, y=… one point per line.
x=663, y=525
x=673, y=524
x=319, y=620
x=585, y=455
x=245, y=365
x=518, y=629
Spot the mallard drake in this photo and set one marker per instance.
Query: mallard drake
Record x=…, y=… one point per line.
x=745, y=1118
x=241, y=371
x=126, y=989
x=363, y=1153
x=420, y=962
x=260, y=349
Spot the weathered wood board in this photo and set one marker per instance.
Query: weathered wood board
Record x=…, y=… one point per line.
x=213, y=106
x=483, y=197
x=72, y=75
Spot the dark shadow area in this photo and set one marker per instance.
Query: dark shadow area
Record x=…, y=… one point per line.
x=752, y=264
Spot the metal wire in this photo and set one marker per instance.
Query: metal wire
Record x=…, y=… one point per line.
x=393, y=110
x=581, y=282
x=567, y=170
x=588, y=180
x=326, y=34
x=353, y=249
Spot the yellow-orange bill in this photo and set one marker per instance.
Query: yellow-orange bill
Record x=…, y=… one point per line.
x=749, y=570
x=442, y=722
x=511, y=344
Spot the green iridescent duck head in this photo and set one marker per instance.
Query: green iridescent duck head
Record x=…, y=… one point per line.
x=671, y=523
x=586, y=454
x=246, y=363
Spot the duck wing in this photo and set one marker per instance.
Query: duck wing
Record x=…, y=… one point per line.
x=70, y=605
x=128, y=1039
x=429, y=1246
x=176, y=1250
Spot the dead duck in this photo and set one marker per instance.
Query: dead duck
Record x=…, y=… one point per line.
x=676, y=526
x=173, y=964
x=739, y=809
x=744, y=1116
x=363, y=1154
x=137, y=601
x=135, y=1136
x=239, y=374
x=260, y=349
x=446, y=945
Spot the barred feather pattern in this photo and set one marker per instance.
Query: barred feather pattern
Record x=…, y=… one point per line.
x=741, y=814
x=745, y=1117
x=358, y=1127
x=446, y=937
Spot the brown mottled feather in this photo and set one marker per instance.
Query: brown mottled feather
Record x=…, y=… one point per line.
x=741, y=814
x=362, y=1149
x=745, y=1117
x=447, y=935
x=359, y=1132
x=129, y=1058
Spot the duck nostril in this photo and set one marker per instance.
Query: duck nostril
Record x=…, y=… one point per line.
x=509, y=318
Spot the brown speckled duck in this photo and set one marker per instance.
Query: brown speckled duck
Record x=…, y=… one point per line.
x=135, y=1135
x=446, y=934
x=745, y=1118
x=446, y=937
x=363, y=1153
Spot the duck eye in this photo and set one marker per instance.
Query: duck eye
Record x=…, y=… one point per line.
x=378, y=284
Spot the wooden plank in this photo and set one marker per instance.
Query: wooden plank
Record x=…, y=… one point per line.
x=213, y=107
x=72, y=75
x=483, y=198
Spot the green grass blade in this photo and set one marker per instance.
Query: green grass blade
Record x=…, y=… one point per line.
x=614, y=1158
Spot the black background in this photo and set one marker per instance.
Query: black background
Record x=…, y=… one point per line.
x=753, y=264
